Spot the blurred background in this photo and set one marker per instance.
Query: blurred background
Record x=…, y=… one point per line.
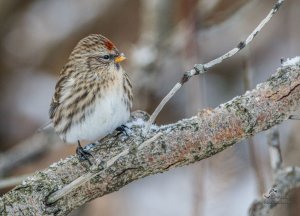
x=161, y=39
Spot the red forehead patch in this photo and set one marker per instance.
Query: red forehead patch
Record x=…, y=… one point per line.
x=108, y=44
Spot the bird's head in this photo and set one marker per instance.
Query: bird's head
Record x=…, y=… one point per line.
x=98, y=53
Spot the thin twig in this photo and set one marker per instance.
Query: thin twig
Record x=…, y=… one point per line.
x=88, y=176
x=13, y=181
x=202, y=68
x=161, y=106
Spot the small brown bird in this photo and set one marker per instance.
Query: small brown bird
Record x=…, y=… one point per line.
x=93, y=96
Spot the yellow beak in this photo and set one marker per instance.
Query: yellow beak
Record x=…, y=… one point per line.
x=120, y=58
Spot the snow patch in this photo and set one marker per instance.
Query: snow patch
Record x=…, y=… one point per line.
x=291, y=61
x=136, y=122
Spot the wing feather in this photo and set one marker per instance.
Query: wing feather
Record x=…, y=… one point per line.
x=56, y=97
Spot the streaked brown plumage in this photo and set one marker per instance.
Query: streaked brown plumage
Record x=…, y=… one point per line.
x=93, y=95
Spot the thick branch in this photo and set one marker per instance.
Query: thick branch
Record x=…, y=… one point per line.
x=181, y=143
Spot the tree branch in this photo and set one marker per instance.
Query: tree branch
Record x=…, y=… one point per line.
x=181, y=143
x=285, y=180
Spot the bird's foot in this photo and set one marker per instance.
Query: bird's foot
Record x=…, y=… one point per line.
x=83, y=154
x=122, y=130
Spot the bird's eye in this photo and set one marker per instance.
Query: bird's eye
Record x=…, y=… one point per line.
x=106, y=57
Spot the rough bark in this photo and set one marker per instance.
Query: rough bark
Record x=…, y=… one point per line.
x=181, y=143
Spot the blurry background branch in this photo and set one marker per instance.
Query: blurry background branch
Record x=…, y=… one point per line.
x=37, y=144
x=181, y=143
x=285, y=181
x=275, y=151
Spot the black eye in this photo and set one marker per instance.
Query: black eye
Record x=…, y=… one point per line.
x=106, y=57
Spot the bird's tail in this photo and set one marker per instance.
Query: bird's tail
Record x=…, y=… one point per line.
x=45, y=127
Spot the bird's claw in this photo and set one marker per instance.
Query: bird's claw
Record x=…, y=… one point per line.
x=83, y=154
x=122, y=130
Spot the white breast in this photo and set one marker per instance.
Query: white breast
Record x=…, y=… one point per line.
x=110, y=112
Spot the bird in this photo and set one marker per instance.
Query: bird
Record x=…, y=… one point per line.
x=93, y=95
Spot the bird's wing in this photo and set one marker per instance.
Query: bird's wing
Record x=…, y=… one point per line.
x=56, y=97
x=53, y=106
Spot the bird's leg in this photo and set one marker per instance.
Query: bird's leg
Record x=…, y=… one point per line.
x=83, y=154
x=122, y=130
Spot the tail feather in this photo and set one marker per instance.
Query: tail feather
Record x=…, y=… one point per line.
x=45, y=126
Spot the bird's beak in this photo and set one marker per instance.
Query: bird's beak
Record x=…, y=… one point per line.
x=120, y=58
